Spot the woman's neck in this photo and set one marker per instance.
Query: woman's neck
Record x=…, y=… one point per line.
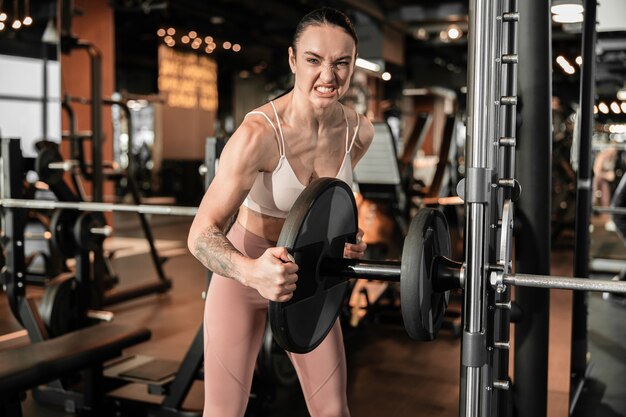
x=298, y=111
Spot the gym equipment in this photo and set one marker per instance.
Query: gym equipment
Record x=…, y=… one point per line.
x=321, y=222
x=39, y=363
x=99, y=207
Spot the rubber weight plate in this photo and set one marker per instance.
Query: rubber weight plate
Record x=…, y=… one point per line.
x=322, y=220
x=82, y=230
x=48, y=152
x=60, y=308
x=423, y=308
x=61, y=227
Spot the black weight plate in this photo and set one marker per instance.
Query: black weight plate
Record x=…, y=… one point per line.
x=48, y=152
x=60, y=308
x=322, y=220
x=82, y=230
x=423, y=308
x=61, y=228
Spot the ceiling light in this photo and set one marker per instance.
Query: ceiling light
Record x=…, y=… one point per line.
x=193, y=34
x=1, y=26
x=386, y=76
x=3, y=17
x=226, y=45
x=621, y=94
x=16, y=24
x=161, y=32
x=27, y=21
x=615, y=108
x=454, y=32
x=566, y=7
x=367, y=65
x=579, y=60
x=603, y=108
x=595, y=109
x=208, y=39
x=421, y=34
x=568, y=18
x=171, y=31
x=236, y=47
x=185, y=39
x=623, y=107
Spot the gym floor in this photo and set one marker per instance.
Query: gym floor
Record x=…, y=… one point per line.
x=389, y=374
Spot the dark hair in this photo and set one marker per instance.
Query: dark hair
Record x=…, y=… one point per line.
x=325, y=16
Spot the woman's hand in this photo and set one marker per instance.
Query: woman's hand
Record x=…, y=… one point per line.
x=274, y=275
x=355, y=250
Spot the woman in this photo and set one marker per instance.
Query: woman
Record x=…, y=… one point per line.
x=278, y=150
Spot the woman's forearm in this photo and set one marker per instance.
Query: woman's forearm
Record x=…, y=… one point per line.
x=215, y=252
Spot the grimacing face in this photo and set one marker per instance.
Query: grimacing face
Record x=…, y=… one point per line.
x=323, y=63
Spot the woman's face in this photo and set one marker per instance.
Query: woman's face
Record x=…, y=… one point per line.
x=323, y=63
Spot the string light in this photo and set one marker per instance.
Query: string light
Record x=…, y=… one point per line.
x=16, y=21
x=27, y=19
x=603, y=108
x=615, y=108
x=236, y=47
x=161, y=32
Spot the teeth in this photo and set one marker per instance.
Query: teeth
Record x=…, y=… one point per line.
x=325, y=89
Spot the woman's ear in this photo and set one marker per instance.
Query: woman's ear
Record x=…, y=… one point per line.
x=292, y=60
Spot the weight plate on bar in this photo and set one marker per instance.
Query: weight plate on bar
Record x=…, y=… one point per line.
x=48, y=152
x=322, y=220
x=423, y=308
x=61, y=227
x=82, y=230
x=60, y=307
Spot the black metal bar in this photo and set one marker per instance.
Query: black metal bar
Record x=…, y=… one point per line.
x=44, y=95
x=534, y=173
x=95, y=60
x=115, y=296
x=352, y=268
x=186, y=374
x=13, y=224
x=134, y=190
x=578, y=360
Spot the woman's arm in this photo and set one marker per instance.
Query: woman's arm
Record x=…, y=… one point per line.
x=251, y=149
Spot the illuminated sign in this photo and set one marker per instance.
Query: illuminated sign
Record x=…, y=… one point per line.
x=189, y=81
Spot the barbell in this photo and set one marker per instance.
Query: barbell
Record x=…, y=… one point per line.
x=98, y=207
x=324, y=218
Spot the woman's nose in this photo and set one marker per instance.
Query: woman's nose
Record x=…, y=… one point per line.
x=328, y=73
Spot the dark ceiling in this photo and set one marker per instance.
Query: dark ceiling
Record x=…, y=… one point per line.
x=264, y=30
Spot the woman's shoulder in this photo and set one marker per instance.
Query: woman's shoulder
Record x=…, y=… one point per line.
x=256, y=133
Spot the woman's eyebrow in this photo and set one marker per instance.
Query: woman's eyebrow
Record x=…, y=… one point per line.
x=349, y=57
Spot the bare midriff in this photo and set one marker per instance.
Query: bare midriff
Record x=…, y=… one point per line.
x=268, y=227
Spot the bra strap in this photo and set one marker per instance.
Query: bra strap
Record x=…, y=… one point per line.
x=280, y=129
x=356, y=132
x=281, y=144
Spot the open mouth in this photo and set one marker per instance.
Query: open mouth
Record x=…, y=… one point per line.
x=325, y=90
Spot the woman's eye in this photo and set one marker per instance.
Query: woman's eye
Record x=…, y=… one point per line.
x=312, y=60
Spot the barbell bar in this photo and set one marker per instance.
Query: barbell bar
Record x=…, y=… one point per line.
x=610, y=210
x=98, y=207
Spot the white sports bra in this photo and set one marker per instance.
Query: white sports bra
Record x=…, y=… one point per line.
x=274, y=193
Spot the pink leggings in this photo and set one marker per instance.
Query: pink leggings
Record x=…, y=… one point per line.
x=234, y=323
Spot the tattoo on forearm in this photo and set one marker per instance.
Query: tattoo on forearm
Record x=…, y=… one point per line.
x=216, y=252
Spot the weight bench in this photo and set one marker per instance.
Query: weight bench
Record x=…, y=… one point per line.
x=39, y=363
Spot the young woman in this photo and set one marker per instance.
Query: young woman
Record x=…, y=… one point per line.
x=269, y=160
